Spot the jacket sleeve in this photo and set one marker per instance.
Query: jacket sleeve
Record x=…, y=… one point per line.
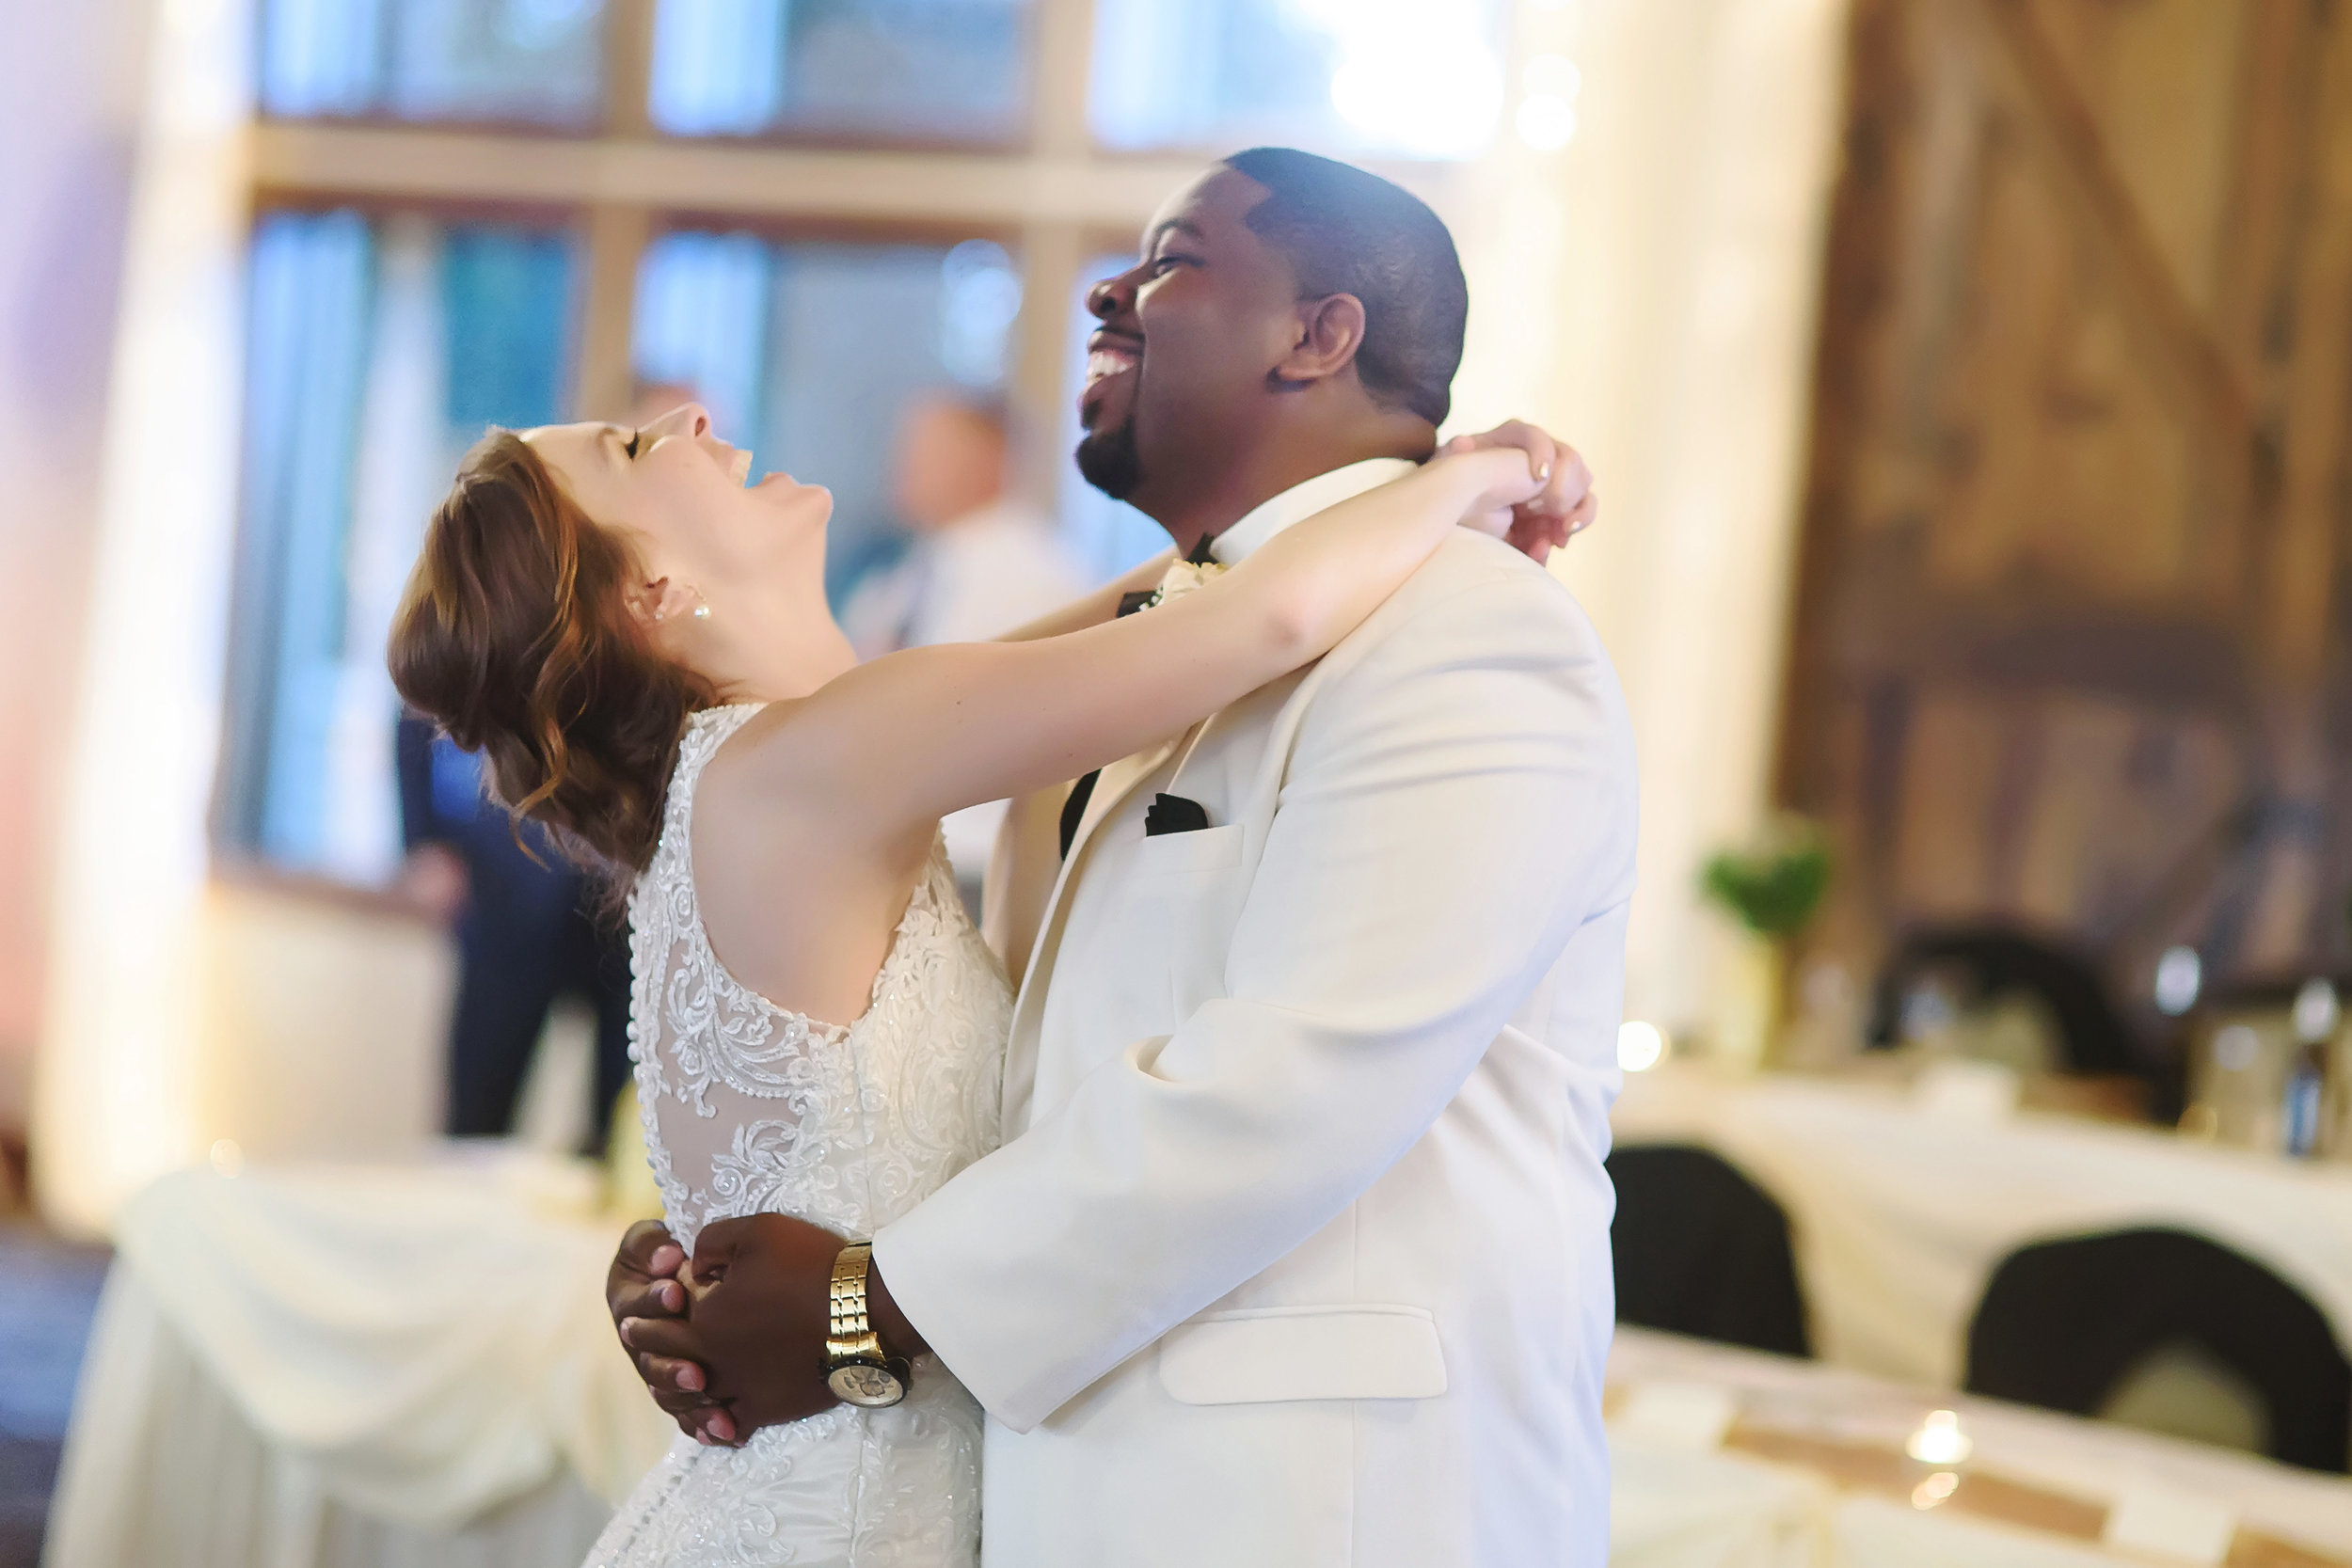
x=1455, y=805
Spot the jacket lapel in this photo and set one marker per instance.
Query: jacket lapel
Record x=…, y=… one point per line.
x=1119, y=781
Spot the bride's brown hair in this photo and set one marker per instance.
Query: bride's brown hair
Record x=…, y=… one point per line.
x=516, y=635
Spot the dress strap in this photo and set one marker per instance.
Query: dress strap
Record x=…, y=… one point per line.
x=706, y=732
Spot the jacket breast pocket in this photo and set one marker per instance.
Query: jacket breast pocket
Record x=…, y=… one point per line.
x=1263, y=1355
x=1202, y=849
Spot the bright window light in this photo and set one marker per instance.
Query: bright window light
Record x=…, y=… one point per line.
x=1384, y=78
x=1417, y=75
x=1545, y=124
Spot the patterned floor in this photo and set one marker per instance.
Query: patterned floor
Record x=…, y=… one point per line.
x=48, y=1290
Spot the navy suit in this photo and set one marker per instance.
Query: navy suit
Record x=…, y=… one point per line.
x=529, y=935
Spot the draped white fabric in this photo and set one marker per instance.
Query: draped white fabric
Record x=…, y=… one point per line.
x=1670, y=1508
x=424, y=1345
x=165, y=1467
x=1899, y=1214
x=2094, y=1462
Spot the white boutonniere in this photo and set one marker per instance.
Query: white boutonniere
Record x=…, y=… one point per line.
x=1182, y=578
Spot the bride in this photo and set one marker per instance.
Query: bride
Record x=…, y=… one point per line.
x=640, y=647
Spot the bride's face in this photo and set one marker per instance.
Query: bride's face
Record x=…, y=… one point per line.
x=677, y=492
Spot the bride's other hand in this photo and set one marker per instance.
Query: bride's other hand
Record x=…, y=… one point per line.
x=1566, y=504
x=644, y=1285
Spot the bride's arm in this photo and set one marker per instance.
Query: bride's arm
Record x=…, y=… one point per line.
x=1539, y=525
x=1093, y=608
x=916, y=735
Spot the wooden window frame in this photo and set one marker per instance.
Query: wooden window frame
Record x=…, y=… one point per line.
x=1048, y=198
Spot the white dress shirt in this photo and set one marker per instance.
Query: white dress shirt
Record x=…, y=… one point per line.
x=1301, y=502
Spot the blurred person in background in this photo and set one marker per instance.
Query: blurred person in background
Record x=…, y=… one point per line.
x=982, y=562
x=528, y=931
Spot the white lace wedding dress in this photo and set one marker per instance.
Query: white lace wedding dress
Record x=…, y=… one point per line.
x=750, y=1109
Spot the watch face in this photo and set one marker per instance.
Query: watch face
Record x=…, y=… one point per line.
x=862, y=1383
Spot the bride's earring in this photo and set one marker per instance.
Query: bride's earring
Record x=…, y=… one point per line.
x=702, y=606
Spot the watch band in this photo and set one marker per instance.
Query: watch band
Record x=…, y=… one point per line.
x=849, y=1336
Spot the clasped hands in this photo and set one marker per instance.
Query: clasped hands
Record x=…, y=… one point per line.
x=1565, y=507
x=733, y=1339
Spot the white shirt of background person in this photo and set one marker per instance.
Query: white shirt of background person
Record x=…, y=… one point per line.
x=981, y=562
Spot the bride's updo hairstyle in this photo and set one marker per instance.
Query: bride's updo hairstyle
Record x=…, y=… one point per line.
x=515, y=634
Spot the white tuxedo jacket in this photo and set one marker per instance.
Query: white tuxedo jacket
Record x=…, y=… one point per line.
x=1298, y=1250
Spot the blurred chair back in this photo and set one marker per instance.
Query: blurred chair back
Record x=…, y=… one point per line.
x=1991, y=961
x=1702, y=1250
x=2072, y=1325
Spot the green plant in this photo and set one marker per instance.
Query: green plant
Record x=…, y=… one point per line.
x=1773, y=889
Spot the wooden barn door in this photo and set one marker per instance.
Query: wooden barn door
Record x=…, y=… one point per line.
x=2071, y=631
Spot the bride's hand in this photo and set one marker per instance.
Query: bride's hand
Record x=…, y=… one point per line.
x=1566, y=506
x=760, y=1311
x=644, y=1285
x=1508, y=479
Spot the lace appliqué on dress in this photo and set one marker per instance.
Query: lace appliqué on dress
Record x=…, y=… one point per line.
x=750, y=1108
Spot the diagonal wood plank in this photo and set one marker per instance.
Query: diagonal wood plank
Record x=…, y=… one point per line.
x=2202, y=372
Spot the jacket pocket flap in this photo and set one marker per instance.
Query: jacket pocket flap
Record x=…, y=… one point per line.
x=1266, y=1354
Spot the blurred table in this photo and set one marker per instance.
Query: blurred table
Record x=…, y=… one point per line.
x=362, y=1367
x=395, y=1367
x=1805, y=1465
x=1900, y=1213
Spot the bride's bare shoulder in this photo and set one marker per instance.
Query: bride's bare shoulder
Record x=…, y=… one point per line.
x=785, y=773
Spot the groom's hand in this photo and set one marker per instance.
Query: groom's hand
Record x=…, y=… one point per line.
x=762, y=1292
x=641, y=1285
x=1564, y=508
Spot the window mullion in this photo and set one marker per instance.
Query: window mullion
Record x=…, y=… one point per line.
x=602, y=379
x=1051, y=255
x=1062, y=59
x=628, y=67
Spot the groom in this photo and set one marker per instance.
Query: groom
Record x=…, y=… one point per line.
x=1297, y=1251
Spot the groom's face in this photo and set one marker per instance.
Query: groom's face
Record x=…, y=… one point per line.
x=1189, y=335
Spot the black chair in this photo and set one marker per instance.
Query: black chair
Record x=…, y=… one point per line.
x=2062, y=1323
x=1702, y=1250
x=1992, y=960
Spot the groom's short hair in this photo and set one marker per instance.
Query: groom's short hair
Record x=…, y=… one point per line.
x=1345, y=231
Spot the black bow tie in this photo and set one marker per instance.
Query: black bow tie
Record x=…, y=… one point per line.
x=1074, y=810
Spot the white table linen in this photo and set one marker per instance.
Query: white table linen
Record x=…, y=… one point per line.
x=2094, y=1462
x=419, y=1347
x=370, y=1368
x=1899, y=1214
x=164, y=1466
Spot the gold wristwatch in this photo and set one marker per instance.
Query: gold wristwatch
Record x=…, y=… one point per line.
x=855, y=1367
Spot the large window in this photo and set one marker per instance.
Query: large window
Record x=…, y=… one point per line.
x=378, y=349
x=520, y=60
x=801, y=213
x=888, y=69
x=1401, y=78
x=807, y=350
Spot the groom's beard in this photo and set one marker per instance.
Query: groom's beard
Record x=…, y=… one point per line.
x=1109, y=461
